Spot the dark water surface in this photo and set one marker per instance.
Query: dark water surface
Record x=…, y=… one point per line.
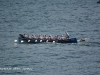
x=81, y=18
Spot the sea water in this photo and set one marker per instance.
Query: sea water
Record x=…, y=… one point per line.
x=80, y=18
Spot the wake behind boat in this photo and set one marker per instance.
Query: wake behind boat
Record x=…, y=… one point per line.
x=23, y=38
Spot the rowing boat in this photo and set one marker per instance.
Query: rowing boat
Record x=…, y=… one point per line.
x=23, y=39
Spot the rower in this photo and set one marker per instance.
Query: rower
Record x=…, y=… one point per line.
x=21, y=36
x=62, y=37
x=50, y=37
x=41, y=36
x=55, y=38
x=44, y=37
x=26, y=36
x=38, y=37
x=32, y=37
x=67, y=35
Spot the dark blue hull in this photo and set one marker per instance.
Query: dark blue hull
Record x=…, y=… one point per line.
x=71, y=40
x=34, y=41
x=98, y=2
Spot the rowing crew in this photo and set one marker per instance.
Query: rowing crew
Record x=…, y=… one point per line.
x=44, y=37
